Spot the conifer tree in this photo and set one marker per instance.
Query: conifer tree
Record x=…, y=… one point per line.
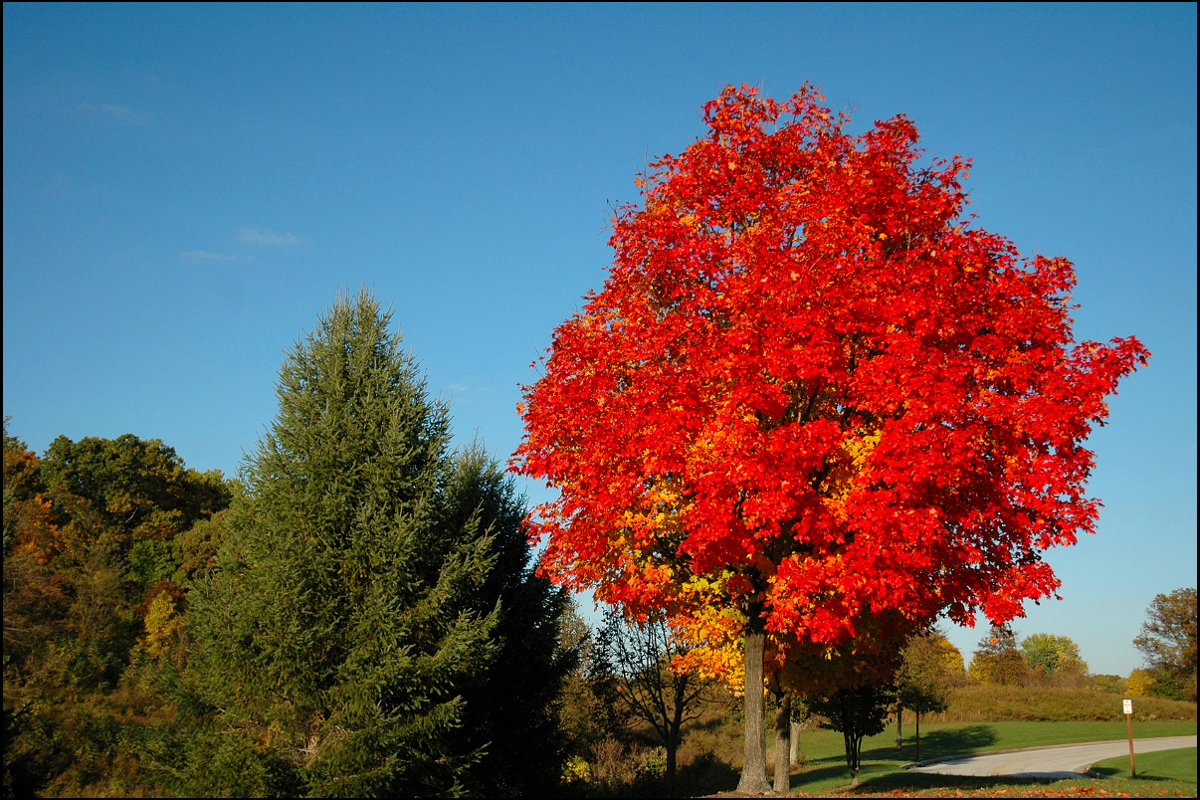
x=331, y=644
x=512, y=705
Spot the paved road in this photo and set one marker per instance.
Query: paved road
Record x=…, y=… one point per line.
x=1062, y=761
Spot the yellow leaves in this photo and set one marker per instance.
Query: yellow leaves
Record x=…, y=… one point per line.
x=845, y=475
x=1140, y=683
x=859, y=449
x=161, y=625
x=712, y=627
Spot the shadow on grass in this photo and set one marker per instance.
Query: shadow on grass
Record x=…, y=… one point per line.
x=1114, y=772
x=938, y=743
x=831, y=770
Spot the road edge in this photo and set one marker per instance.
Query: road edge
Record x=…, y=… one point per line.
x=942, y=759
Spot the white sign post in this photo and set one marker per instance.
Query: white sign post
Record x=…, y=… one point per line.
x=1129, y=725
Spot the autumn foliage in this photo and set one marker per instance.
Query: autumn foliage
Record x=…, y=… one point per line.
x=812, y=392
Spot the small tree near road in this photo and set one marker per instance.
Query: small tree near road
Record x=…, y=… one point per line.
x=857, y=712
x=923, y=679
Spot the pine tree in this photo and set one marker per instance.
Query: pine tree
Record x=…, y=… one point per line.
x=331, y=644
x=512, y=705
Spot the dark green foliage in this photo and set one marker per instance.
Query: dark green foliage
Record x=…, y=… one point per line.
x=591, y=711
x=857, y=712
x=512, y=711
x=29, y=751
x=127, y=490
x=356, y=618
x=1168, y=686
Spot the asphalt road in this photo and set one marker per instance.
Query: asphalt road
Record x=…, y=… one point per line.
x=1060, y=761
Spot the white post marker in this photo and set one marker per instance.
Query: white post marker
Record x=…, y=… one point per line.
x=1129, y=725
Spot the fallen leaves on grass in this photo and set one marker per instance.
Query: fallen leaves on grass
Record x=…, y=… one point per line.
x=1109, y=788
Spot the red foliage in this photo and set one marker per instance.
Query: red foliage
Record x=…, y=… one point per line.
x=808, y=373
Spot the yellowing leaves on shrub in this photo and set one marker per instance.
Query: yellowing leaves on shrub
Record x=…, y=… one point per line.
x=1141, y=683
x=162, y=623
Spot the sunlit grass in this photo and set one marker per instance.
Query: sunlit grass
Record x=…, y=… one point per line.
x=1169, y=765
x=825, y=771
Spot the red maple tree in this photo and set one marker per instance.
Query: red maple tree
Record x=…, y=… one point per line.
x=810, y=381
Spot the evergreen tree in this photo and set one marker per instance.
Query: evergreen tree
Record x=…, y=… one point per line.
x=332, y=643
x=512, y=705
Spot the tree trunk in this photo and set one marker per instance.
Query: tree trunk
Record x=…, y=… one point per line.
x=680, y=682
x=783, y=735
x=672, y=742
x=795, y=743
x=754, y=762
x=899, y=728
x=852, y=744
x=918, y=735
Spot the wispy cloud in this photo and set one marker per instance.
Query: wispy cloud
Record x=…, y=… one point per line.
x=458, y=387
x=266, y=237
x=197, y=256
x=123, y=114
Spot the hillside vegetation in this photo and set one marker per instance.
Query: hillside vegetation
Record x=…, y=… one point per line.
x=984, y=703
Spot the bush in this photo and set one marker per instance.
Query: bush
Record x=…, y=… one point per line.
x=1109, y=684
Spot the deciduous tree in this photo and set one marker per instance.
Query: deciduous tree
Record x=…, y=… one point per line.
x=923, y=679
x=811, y=379
x=640, y=655
x=998, y=660
x=1168, y=637
x=857, y=712
x=1048, y=654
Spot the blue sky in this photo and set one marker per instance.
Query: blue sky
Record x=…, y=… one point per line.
x=187, y=187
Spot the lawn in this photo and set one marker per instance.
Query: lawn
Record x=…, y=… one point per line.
x=1163, y=765
x=824, y=768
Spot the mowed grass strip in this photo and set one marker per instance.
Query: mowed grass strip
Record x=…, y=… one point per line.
x=1162, y=765
x=824, y=769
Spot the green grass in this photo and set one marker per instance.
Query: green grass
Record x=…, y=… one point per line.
x=1170, y=765
x=825, y=769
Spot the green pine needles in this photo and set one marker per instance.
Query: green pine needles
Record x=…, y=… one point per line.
x=372, y=626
